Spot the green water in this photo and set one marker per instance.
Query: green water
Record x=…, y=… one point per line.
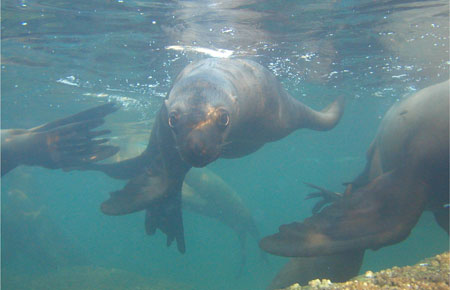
x=60, y=57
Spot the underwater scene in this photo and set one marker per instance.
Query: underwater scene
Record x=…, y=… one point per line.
x=234, y=144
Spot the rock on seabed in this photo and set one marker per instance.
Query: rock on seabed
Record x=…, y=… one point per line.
x=432, y=273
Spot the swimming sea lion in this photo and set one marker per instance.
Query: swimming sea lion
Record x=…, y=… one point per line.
x=205, y=193
x=67, y=142
x=407, y=172
x=217, y=108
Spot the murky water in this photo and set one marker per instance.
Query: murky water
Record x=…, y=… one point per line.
x=61, y=57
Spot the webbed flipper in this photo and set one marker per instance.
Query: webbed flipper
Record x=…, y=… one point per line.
x=138, y=194
x=157, y=187
x=167, y=216
x=376, y=215
x=65, y=143
x=98, y=112
x=327, y=196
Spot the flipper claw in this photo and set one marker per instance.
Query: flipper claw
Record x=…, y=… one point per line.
x=327, y=197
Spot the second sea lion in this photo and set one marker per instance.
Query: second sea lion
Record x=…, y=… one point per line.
x=407, y=172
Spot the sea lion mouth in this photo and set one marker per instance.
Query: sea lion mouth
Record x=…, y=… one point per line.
x=198, y=154
x=199, y=160
x=200, y=146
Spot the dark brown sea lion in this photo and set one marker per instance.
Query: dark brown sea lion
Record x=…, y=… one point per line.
x=217, y=108
x=67, y=142
x=203, y=192
x=407, y=172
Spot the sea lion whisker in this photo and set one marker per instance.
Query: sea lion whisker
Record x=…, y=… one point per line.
x=225, y=144
x=224, y=148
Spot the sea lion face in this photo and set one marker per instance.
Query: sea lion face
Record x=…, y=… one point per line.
x=200, y=122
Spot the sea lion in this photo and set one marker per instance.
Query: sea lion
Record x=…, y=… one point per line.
x=216, y=108
x=205, y=193
x=67, y=142
x=407, y=172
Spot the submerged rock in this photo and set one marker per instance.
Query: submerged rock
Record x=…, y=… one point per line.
x=432, y=273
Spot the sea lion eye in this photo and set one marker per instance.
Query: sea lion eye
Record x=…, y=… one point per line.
x=173, y=120
x=224, y=118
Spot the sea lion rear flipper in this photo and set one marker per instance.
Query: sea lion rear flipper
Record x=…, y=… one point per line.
x=98, y=112
x=167, y=216
x=70, y=142
x=327, y=196
x=378, y=214
x=319, y=120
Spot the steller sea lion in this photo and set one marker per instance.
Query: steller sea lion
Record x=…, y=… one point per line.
x=407, y=172
x=216, y=108
x=67, y=142
x=203, y=192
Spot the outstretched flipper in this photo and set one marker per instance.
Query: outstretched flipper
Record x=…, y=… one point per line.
x=65, y=143
x=98, y=112
x=376, y=215
x=156, y=186
x=167, y=216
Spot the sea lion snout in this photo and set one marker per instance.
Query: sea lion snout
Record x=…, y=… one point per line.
x=198, y=152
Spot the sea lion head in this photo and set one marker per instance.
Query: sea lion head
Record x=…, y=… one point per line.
x=199, y=115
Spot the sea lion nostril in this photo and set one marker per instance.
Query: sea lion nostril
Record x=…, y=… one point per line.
x=198, y=148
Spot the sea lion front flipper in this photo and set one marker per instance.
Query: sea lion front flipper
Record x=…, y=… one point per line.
x=378, y=214
x=98, y=112
x=327, y=196
x=157, y=189
x=137, y=194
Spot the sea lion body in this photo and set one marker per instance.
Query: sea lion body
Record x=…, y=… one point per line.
x=259, y=110
x=415, y=131
x=217, y=108
x=407, y=172
x=207, y=194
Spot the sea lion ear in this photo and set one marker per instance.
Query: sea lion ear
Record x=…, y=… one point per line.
x=379, y=214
